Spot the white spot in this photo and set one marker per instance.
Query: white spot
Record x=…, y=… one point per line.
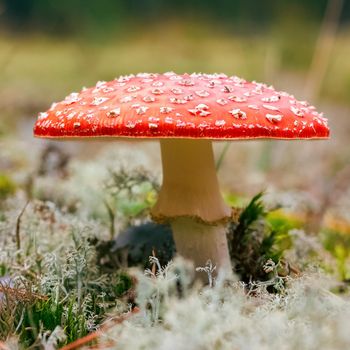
x=253, y=107
x=99, y=100
x=237, y=99
x=305, y=103
x=148, y=99
x=123, y=79
x=108, y=89
x=177, y=91
x=202, y=93
x=153, y=119
x=71, y=115
x=72, y=98
x=221, y=101
x=157, y=91
x=213, y=83
x=297, y=111
x=114, y=112
x=273, y=118
x=145, y=75
x=53, y=106
x=133, y=88
x=100, y=83
x=165, y=110
x=189, y=97
x=76, y=125
x=175, y=77
x=201, y=110
x=238, y=114
x=130, y=124
x=275, y=98
x=44, y=115
x=271, y=108
x=186, y=82
x=152, y=125
x=126, y=99
x=177, y=100
x=220, y=122
x=141, y=110
x=180, y=123
x=158, y=83
x=203, y=125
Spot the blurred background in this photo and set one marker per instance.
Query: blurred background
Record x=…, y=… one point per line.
x=49, y=48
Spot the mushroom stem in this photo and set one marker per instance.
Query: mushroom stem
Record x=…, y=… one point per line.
x=201, y=242
x=191, y=201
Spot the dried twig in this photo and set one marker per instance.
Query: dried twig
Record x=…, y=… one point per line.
x=18, y=226
x=21, y=294
x=154, y=266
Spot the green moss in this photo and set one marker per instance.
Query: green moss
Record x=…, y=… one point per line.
x=338, y=244
x=7, y=186
x=259, y=235
x=41, y=315
x=124, y=284
x=280, y=221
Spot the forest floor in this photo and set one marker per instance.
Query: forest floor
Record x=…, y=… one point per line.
x=62, y=206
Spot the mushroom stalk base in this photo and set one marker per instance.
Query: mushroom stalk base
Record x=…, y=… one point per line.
x=191, y=201
x=199, y=242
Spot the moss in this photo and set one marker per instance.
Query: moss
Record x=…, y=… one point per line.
x=338, y=244
x=7, y=186
x=258, y=236
x=123, y=285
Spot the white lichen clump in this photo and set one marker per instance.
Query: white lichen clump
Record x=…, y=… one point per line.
x=306, y=315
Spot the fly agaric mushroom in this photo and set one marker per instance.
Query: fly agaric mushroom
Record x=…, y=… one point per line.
x=186, y=112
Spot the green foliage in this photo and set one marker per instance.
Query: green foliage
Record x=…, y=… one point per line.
x=7, y=186
x=234, y=200
x=257, y=237
x=65, y=289
x=281, y=222
x=103, y=16
x=128, y=195
x=123, y=284
x=43, y=314
x=338, y=244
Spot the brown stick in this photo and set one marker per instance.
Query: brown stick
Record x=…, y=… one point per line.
x=18, y=227
x=21, y=293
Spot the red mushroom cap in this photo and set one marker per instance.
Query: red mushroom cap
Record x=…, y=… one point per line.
x=212, y=106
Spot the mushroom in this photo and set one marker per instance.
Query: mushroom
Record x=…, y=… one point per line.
x=186, y=112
